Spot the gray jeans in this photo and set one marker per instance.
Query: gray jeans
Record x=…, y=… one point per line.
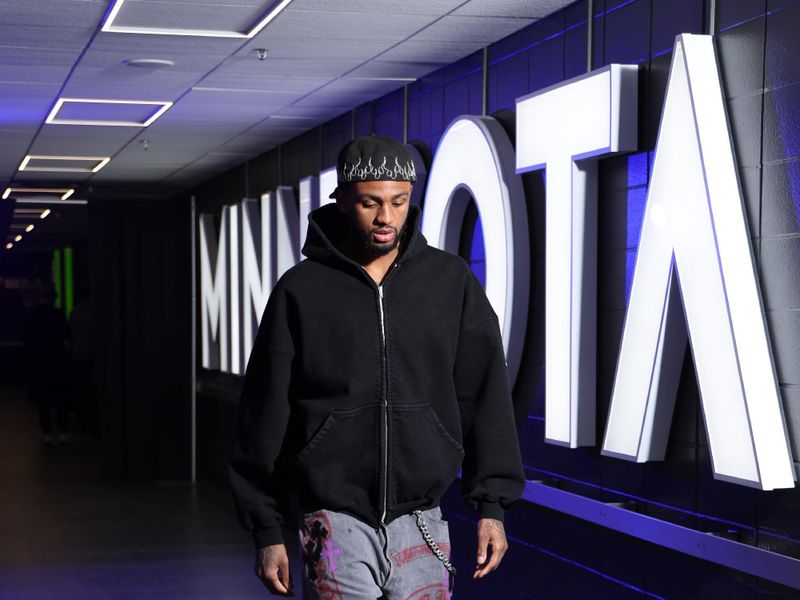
x=345, y=559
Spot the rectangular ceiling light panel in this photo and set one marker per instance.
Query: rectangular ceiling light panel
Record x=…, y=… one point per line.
x=126, y=21
x=114, y=113
x=63, y=164
x=60, y=193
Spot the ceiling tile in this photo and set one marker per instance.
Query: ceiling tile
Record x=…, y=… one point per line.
x=386, y=26
x=123, y=82
x=377, y=7
x=163, y=46
x=55, y=179
x=471, y=30
x=298, y=48
x=54, y=39
x=511, y=8
x=62, y=14
x=399, y=70
x=433, y=52
x=288, y=85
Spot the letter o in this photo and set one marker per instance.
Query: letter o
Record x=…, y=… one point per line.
x=475, y=158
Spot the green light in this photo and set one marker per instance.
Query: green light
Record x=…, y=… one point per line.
x=69, y=284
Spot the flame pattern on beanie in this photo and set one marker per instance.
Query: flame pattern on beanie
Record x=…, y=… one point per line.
x=369, y=172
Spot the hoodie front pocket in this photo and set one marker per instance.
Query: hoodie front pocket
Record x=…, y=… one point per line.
x=339, y=464
x=424, y=457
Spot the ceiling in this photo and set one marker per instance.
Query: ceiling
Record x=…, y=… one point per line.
x=323, y=57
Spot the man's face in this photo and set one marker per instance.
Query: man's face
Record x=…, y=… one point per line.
x=377, y=212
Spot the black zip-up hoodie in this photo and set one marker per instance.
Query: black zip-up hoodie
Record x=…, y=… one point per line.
x=368, y=399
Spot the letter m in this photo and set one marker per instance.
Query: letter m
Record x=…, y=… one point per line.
x=214, y=292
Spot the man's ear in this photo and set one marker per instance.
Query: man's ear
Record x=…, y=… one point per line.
x=340, y=203
x=341, y=200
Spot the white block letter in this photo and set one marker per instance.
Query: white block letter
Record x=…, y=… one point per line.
x=257, y=268
x=475, y=159
x=695, y=245
x=559, y=129
x=214, y=292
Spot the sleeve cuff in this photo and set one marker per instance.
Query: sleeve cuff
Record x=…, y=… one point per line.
x=267, y=537
x=491, y=510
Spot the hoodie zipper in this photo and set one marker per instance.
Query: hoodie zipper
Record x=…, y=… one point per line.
x=385, y=402
x=384, y=398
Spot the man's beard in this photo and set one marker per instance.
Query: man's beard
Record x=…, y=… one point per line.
x=370, y=249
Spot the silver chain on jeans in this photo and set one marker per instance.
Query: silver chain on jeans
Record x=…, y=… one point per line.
x=426, y=535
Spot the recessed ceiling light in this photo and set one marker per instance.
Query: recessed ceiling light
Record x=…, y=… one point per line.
x=29, y=228
x=45, y=213
x=52, y=119
x=95, y=163
x=149, y=63
x=109, y=26
x=9, y=246
x=61, y=193
x=18, y=238
x=61, y=203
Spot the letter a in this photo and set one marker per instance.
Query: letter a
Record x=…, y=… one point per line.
x=695, y=246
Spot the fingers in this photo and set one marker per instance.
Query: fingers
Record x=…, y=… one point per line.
x=490, y=533
x=272, y=568
x=483, y=543
x=286, y=576
x=274, y=584
x=493, y=562
x=278, y=581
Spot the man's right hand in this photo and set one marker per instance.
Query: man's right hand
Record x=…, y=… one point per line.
x=272, y=568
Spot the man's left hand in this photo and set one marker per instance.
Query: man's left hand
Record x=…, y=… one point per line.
x=490, y=533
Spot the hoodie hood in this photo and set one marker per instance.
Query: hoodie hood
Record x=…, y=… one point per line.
x=328, y=229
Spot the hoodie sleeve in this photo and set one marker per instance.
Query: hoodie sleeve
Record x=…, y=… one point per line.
x=261, y=423
x=492, y=476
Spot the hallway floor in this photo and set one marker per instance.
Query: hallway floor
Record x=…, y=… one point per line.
x=67, y=533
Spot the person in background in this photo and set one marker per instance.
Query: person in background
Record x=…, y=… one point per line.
x=49, y=354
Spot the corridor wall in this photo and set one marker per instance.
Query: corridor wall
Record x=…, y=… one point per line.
x=555, y=555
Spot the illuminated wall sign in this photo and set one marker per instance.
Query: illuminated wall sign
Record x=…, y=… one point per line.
x=695, y=247
x=694, y=257
x=327, y=183
x=272, y=228
x=256, y=265
x=475, y=160
x=308, y=201
x=258, y=241
x=565, y=129
x=214, y=292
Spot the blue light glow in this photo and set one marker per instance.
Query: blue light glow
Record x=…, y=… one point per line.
x=477, y=258
x=638, y=175
x=566, y=560
x=685, y=511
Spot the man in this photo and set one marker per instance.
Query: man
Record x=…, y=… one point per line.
x=377, y=373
